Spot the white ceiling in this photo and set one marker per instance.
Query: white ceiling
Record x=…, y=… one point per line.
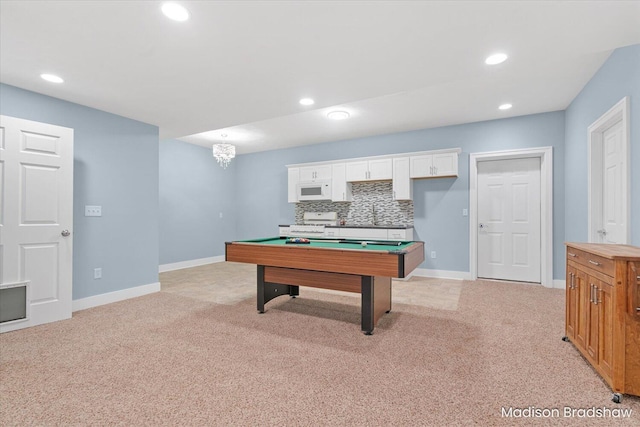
x=240, y=67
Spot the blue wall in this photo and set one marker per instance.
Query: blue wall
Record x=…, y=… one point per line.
x=115, y=166
x=438, y=203
x=618, y=77
x=194, y=190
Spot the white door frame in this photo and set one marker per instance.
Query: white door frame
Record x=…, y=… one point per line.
x=619, y=112
x=546, y=198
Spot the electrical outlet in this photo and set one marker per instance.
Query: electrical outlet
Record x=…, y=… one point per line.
x=465, y=212
x=92, y=210
x=220, y=214
x=433, y=254
x=97, y=273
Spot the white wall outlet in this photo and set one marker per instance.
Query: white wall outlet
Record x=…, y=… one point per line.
x=92, y=210
x=97, y=273
x=465, y=212
x=220, y=214
x=433, y=254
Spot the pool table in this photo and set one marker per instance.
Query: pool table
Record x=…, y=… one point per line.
x=343, y=265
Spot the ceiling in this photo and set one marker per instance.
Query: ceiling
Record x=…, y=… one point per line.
x=240, y=67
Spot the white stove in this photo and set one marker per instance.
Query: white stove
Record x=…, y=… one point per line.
x=312, y=225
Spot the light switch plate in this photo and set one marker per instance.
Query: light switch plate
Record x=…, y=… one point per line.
x=92, y=210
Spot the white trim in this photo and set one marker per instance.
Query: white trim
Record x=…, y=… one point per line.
x=7, y=326
x=191, y=263
x=108, y=298
x=619, y=112
x=559, y=284
x=546, y=200
x=442, y=274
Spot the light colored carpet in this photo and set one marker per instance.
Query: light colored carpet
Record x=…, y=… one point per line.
x=169, y=359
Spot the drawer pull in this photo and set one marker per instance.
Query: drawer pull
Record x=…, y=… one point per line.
x=570, y=254
x=594, y=262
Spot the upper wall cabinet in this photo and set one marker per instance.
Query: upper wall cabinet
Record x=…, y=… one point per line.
x=370, y=170
x=293, y=176
x=434, y=165
x=340, y=188
x=315, y=173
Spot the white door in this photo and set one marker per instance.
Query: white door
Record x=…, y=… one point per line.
x=509, y=219
x=36, y=217
x=611, y=229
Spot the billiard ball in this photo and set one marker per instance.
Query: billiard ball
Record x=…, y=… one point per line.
x=364, y=244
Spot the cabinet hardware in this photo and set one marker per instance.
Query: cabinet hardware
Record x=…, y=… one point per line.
x=570, y=254
x=572, y=282
x=594, y=262
x=435, y=170
x=591, y=293
x=599, y=294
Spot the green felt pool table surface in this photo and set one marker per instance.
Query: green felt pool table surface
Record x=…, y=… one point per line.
x=336, y=244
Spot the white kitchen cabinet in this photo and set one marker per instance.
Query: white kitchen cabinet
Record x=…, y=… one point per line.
x=434, y=165
x=369, y=170
x=293, y=176
x=402, y=188
x=315, y=173
x=340, y=188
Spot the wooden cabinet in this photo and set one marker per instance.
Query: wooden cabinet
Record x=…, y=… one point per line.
x=602, y=308
x=370, y=170
x=435, y=165
x=340, y=188
x=402, y=188
x=315, y=173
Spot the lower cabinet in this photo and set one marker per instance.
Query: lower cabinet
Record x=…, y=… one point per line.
x=600, y=320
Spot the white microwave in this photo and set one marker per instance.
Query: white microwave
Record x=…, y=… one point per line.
x=320, y=190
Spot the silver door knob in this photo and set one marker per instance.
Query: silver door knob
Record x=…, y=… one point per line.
x=481, y=225
x=65, y=233
x=603, y=232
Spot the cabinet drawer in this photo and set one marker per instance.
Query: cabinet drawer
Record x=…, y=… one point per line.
x=595, y=262
x=364, y=233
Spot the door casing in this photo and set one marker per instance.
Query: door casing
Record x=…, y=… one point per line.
x=546, y=199
x=619, y=112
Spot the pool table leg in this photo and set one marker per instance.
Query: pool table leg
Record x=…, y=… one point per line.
x=268, y=291
x=376, y=300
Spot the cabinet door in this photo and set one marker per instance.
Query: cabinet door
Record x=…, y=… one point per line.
x=340, y=189
x=401, y=181
x=583, y=296
x=293, y=175
x=315, y=173
x=380, y=169
x=421, y=166
x=605, y=332
x=593, y=333
x=397, y=234
x=445, y=164
x=323, y=173
x=357, y=171
x=307, y=174
x=571, y=303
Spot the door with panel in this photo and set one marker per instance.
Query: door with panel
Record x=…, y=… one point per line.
x=36, y=216
x=509, y=216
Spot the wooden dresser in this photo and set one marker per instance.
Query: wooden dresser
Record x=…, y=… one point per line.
x=603, y=311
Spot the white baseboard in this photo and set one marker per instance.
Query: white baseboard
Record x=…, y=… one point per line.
x=191, y=263
x=109, y=297
x=442, y=274
x=559, y=284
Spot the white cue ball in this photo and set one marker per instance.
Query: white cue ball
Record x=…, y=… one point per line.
x=364, y=244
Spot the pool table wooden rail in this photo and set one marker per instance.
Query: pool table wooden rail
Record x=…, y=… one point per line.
x=350, y=261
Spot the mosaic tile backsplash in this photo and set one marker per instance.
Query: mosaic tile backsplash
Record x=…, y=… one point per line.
x=372, y=204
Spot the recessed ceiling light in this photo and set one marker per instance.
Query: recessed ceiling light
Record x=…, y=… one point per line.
x=175, y=11
x=498, y=58
x=505, y=106
x=338, y=115
x=307, y=101
x=52, y=78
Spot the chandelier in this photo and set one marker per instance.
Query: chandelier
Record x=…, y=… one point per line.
x=224, y=153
